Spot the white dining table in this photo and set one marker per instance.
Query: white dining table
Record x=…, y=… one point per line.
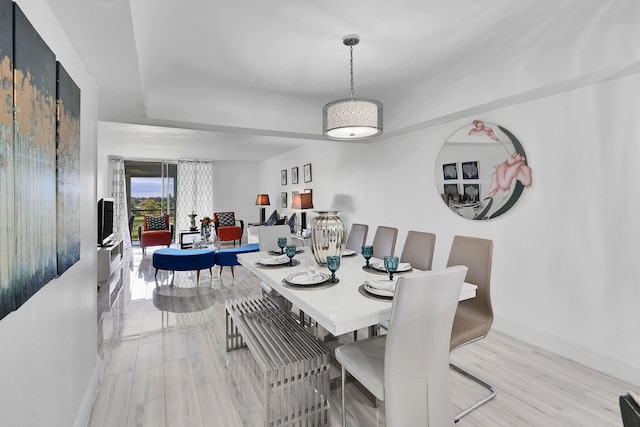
x=339, y=308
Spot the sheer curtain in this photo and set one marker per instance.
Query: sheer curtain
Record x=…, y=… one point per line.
x=118, y=191
x=194, y=192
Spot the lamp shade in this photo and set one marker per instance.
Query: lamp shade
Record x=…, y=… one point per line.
x=302, y=201
x=262, y=200
x=352, y=119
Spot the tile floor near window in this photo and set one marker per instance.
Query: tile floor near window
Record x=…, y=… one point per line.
x=165, y=364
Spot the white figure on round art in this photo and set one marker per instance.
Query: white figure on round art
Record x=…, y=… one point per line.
x=513, y=167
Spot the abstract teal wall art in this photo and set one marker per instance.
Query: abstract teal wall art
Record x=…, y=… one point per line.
x=7, y=231
x=68, y=170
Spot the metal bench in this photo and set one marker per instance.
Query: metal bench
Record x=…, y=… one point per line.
x=294, y=367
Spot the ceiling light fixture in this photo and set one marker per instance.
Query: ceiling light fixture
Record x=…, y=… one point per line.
x=352, y=118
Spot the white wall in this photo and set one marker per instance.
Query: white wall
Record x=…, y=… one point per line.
x=48, y=354
x=565, y=269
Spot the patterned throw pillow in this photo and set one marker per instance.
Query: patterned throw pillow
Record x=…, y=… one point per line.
x=226, y=219
x=272, y=218
x=156, y=222
x=292, y=222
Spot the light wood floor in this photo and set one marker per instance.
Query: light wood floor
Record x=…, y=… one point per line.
x=171, y=369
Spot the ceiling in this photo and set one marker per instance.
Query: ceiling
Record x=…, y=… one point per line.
x=259, y=72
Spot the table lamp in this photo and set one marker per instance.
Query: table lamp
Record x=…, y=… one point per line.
x=302, y=201
x=262, y=200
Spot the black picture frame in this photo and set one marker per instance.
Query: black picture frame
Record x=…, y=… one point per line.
x=283, y=199
x=451, y=190
x=294, y=175
x=450, y=171
x=470, y=170
x=283, y=177
x=307, y=172
x=471, y=192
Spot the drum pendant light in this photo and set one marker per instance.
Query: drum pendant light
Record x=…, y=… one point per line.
x=352, y=118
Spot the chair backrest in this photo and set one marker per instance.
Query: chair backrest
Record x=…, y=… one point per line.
x=268, y=236
x=357, y=237
x=224, y=219
x=156, y=222
x=384, y=241
x=477, y=255
x=418, y=249
x=416, y=382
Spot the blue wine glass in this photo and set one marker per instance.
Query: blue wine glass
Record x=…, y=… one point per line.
x=391, y=265
x=333, y=264
x=291, y=252
x=367, y=253
x=282, y=242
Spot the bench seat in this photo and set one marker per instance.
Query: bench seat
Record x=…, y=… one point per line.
x=229, y=257
x=294, y=367
x=184, y=260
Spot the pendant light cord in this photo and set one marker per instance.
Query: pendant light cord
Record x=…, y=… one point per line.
x=351, y=64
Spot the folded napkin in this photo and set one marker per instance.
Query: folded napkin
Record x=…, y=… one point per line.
x=387, y=285
x=312, y=274
x=273, y=259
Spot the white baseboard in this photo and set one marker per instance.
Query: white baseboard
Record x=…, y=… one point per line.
x=84, y=412
x=571, y=351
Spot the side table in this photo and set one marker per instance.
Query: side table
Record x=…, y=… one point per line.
x=187, y=238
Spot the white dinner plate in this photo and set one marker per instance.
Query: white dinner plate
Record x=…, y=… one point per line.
x=380, y=292
x=273, y=261
x=302, y=279
x=402, y=267
x=348, y=252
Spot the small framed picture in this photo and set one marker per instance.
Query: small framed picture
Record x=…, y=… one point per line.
x=472, y=192
x=470, y=170
x=283, y=199
x=450, y=171
x=283, y=177
x=292, y=194
x=307, y=172
x=294, y=175
x=451, y=190
x=308, y=190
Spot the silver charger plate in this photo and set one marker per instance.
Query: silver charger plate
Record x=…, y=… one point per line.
x=274, y=252
x=401, y=269
x=302, y=279
x=363, y=292
x=286, y=264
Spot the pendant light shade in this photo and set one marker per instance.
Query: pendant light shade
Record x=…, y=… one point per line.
x=352, y=118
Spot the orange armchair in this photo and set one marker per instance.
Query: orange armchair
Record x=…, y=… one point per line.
x=157, y=231
x=227, y=228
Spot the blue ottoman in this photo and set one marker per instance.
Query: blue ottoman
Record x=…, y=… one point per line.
x=229, y=257
x=184, y=260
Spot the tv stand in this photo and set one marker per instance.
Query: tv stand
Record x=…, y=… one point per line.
x=109, y=260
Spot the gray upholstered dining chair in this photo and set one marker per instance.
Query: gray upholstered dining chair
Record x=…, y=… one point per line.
x=413, y=384
x=418, y=249
x=268, y=236
x=384, y=241
x=474, y=316
x=357, y=237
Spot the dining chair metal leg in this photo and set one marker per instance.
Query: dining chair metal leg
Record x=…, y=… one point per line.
x=344, y=406
x=478, y=381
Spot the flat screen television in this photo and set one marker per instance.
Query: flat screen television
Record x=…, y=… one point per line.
x=105, y=221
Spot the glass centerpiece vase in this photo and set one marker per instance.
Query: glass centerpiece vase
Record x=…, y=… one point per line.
x=327, y=236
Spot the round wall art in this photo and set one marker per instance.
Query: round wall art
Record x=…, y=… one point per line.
x=482, y=171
